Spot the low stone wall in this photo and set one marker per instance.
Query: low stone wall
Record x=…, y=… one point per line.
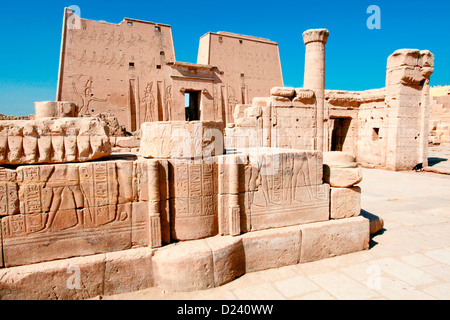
x=184, y=266
x=199, y=221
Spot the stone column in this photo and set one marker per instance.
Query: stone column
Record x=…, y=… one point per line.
x=234, y=211
x=154, y=217
x=314, y=78
x=407, y=99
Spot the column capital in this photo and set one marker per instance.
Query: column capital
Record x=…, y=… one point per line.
x=315, y=35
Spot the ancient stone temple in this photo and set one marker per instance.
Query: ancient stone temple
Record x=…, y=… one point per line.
x=251, y=176
x=130, y=70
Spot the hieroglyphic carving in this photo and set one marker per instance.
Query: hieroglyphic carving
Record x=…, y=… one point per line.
x=72, y=209
x=284, y=189
x=99, y=186
x=192, y=200
x=9, y=197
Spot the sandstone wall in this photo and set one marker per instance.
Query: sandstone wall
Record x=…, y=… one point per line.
x=439, y=115
x=130, y=70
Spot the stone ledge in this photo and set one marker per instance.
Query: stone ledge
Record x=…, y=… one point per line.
x=218, y=260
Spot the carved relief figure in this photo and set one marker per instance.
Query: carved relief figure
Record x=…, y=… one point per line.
x=168, y=99
x=86, y=94
x=282, y=179
x=149, y=101
x=121, y=39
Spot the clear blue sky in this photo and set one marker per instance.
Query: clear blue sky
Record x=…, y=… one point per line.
x=356, y=56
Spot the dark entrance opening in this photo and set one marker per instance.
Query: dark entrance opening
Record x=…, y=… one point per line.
x=192, y=105
x=339, y=134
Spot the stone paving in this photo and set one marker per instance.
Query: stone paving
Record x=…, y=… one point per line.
x=408, y=259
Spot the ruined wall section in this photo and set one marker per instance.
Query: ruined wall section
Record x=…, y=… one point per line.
x=358, y=124
x=286, y=119
x=439, y=115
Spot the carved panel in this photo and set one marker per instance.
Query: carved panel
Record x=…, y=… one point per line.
x=284, y=189
x=193, y=200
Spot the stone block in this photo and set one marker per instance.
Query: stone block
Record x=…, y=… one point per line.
x=376, y=223
x=282, y=92
x=181, y=139
x=184, y=266
x=127, y=271
x=335, y=237
x=228, y=258
x=59, y=109
x=79, y=209
x=52, y=140
x=70, y=279
x=403, y=57
x=272, y=248
x=127, y=142
x=345, y=202
x=339, y=159
x=192, y=199
x=341, y=177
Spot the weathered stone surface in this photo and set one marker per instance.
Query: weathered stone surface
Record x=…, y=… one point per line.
x=184, y=266
x=127, y=271
x=304, y=96
x=340, y=169
x=272, y=248
x=341, y=177
x=282, y=188
x=345, y=202
x=114, y=128
x=80, y=209
x=127, y=142
x=59, y=109
x=76, y=278
x=9, y=192
x=335, y=237
x=376, y=223
x=51, y=140
x=282, y=92
x=181, y=139
x=192, y=199
x=313, y=35
x=339, y=159
x=228, y=258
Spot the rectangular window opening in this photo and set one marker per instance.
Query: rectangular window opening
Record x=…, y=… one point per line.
x=192, y=105
x=375, y=134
